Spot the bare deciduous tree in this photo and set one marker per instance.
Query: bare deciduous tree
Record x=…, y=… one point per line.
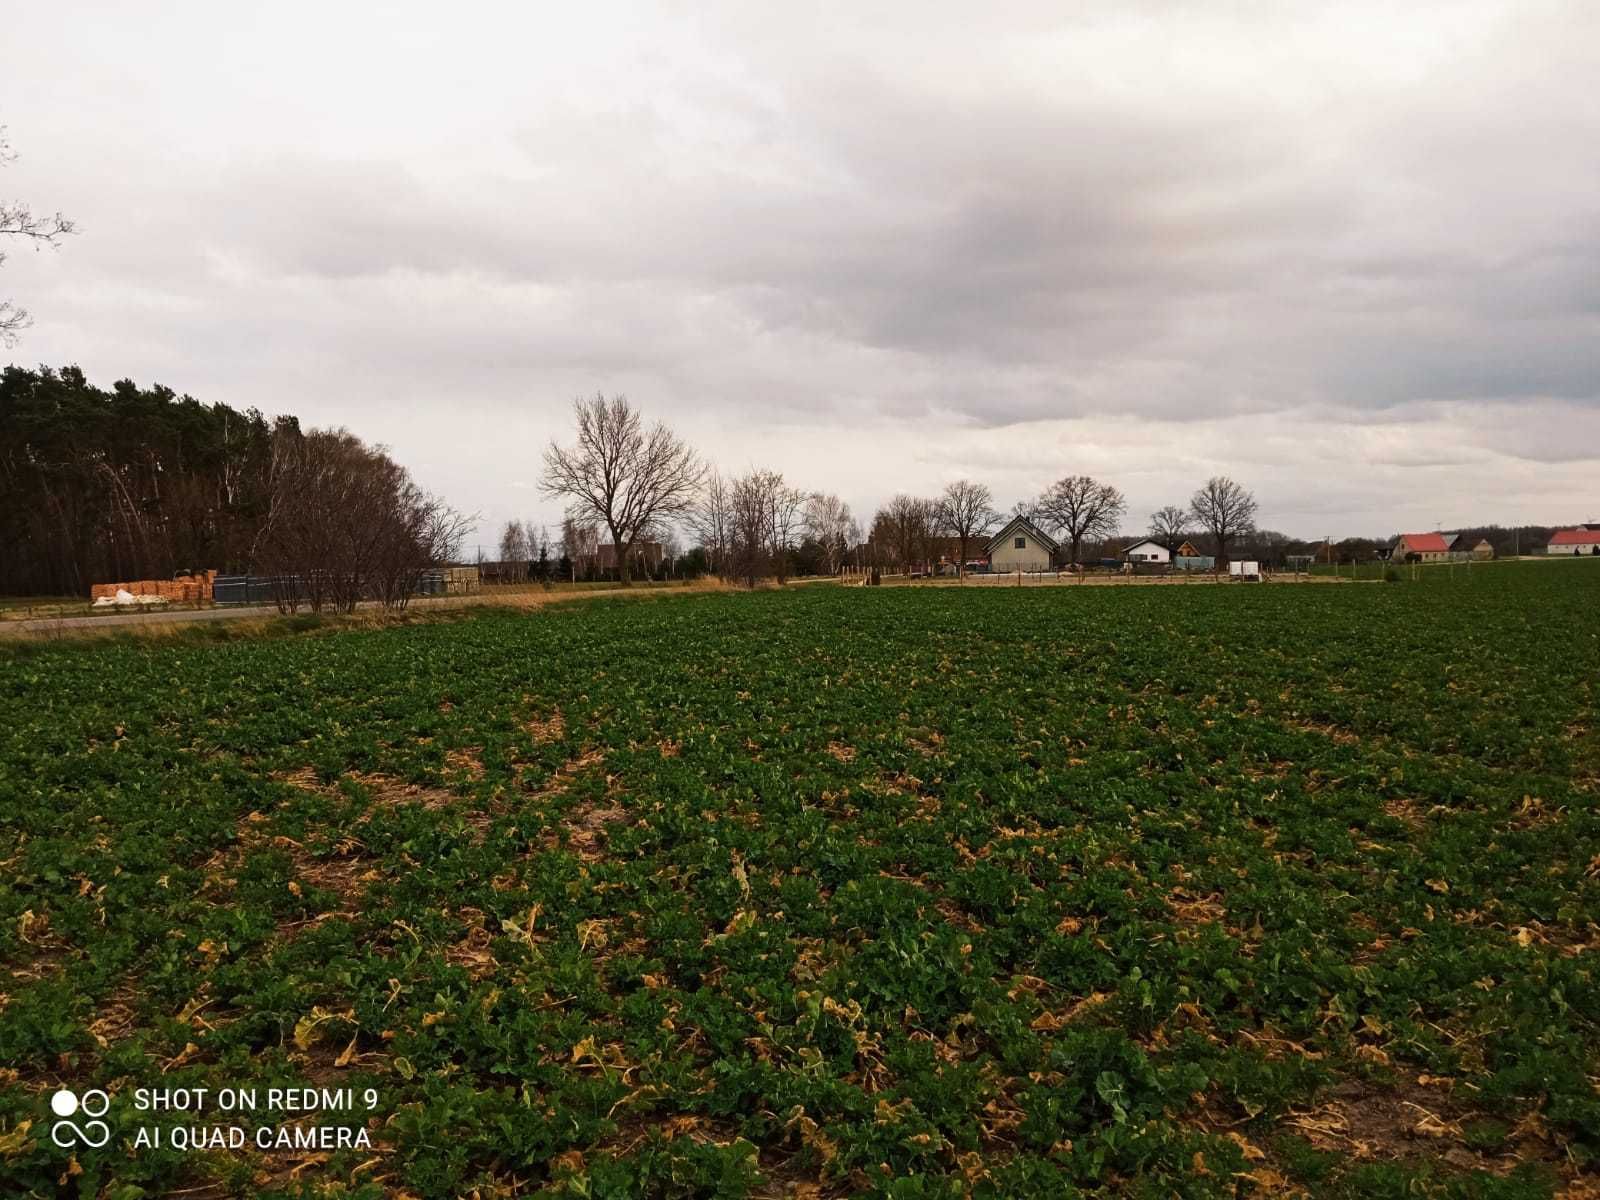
x=828, y=520
x=751, y=507
x=964, y=510
x=580, y=545
x=17, y=220
x=626, y=477
x=515, y=551
x=671, y=553
x=712, y=520
x=1225, y=510
x=1081, y=508
x=345, y=523
x=1169, y=526
x=902, y=528
x=788, y=508
x=1028, y=510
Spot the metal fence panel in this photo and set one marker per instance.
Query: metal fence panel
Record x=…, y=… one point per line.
x=244, y=589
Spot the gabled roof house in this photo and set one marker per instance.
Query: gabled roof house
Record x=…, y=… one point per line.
x=1583, y=540
x=1021, y=546
x=1428, y=547
x=1147, y=551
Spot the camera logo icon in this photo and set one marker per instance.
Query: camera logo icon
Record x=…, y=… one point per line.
x=67, y=1133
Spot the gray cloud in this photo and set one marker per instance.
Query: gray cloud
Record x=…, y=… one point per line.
x=879, y=250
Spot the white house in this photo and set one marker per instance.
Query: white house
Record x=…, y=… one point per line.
x=1147, y=551
x=1582, y=540
x=1021, y=546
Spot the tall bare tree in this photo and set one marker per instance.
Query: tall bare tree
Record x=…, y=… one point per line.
x=626, y=477
x=1225, y=510
x=1028, y=510
x=751, y=508
x=788, y=509
x=712, y=519
x=580, y=545
x=828, y=520
x=345, y=523
x=963, y=511
x=1082, y=508
x=1170, y=526
x=516, y=551
x=902, y=528
x=17, y=220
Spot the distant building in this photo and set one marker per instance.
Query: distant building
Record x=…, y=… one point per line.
x=1582, y=540
x=1147, y=551
x=1420, y=547
x=1021, y=546
x=1476, y=548
x=1187, y=550
x=944, y=552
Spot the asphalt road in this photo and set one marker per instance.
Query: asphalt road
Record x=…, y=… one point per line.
x=112, y=620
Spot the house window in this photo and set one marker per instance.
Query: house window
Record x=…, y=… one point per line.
x=1020, y=543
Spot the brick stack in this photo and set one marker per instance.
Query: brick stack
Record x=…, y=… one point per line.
x=185, y=589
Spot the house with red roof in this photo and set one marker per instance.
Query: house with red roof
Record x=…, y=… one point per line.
x=1420, y=547
x=1583, y=540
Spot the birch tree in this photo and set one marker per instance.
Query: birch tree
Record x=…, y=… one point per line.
x=828, y=520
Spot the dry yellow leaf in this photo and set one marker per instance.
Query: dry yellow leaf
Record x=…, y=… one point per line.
x=12, y=1143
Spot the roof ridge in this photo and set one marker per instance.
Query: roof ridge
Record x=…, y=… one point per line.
x=1038, y=533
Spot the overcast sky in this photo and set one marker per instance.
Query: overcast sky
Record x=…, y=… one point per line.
x=1348, y=254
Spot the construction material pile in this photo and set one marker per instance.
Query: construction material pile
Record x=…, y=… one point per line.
x=182, y=589
x=128, y=600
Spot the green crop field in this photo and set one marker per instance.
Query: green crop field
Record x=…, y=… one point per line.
x=1273, y=890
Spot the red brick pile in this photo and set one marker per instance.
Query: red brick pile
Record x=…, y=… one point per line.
x=185, y=589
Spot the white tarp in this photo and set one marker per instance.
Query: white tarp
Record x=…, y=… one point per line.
x=126, y=599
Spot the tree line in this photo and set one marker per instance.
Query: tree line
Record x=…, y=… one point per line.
x=104, y=485
x=140, y=483
x=634, y=481
x=1085, y=515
